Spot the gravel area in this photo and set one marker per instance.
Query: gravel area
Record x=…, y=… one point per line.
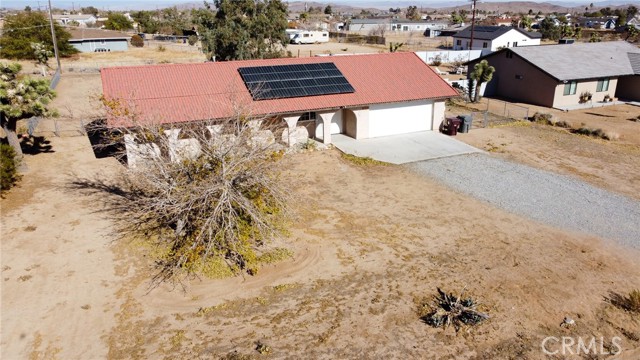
x=550, y=198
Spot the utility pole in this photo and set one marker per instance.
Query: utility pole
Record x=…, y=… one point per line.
x=53, y=36
x=473, y=23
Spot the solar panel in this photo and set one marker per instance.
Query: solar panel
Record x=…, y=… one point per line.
x=286, y=81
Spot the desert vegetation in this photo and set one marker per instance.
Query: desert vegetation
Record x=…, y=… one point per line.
x=208, y=198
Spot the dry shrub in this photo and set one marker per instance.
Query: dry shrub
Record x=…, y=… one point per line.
x=218, y=202
x=9, y=162
x=448, y=309
x=631, y=302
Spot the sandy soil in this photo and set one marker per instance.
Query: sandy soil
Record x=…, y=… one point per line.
x=58, y=278
x=613, y=165
x=369, y=242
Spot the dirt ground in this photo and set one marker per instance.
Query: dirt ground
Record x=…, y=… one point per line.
x=613, y=165
x=369, y=243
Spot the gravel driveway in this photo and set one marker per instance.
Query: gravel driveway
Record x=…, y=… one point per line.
x=550, y=198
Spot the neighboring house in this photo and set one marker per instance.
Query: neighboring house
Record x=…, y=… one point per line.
x=492, y=38
x=503, y=21
x=97, y=40
x=82, y=20
x=634, y=22
x=378, y=95
x=597, y=22
x=556, y=75
x=367, y=25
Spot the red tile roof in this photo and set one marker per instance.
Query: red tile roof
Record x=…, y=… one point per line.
x=191, y=92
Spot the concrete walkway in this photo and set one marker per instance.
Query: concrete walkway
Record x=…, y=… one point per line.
x=405, y=148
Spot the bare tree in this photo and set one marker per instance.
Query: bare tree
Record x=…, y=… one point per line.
x=207, y=194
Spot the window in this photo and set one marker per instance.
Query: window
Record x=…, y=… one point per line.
x=570, y=88
x=515, y=44
x=458, y=42
x=603, y=85
x=508, y=43
x=484, y=45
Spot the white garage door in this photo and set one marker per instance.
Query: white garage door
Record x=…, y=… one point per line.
x=400, y=118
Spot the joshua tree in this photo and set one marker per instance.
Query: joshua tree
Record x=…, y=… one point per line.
x=482, y=73
x=21, y=98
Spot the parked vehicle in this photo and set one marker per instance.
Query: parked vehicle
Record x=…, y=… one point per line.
x=310, y=37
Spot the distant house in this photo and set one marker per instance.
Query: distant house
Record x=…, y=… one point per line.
x=556, y=75
x=492, y=38
x=81, y=20
x=634, y=22
x=597, y=22
x=97, y=40
x=366, y=25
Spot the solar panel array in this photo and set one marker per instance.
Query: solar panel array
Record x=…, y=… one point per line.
x=287, y=81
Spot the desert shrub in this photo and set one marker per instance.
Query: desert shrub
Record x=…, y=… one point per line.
x=161, y=48
x=192, y=40
x=597, y=133
x=137, y=41
x=437, y=61
x=562, y=124
x=630, y=302
x=448, y=309
x=8, y=167
x=362, y=161
x=214, y=210
x=543, y=118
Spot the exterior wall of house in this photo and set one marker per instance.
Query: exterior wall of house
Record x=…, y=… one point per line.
x=92, y=45
x=438, y=114
x=400, y=118
x=562, y=101
x=507, y=39
x=628, y=88
x=516, y=79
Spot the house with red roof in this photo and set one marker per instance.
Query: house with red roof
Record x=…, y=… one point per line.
x=362, y=96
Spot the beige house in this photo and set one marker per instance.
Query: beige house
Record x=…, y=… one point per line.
x=559, y=75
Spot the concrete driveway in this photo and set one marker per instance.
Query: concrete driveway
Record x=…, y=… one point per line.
x=405, y=148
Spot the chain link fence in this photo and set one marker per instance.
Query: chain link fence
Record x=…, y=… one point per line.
x=494, y=113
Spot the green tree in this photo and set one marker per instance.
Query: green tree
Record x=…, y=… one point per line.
x=595, y=37
x=526, y=23
x=549, y=30
x=21, y=98
x=632, y=32
x=117, y=21
x=89, y=10
x=413, y=13
x=146, y=21
x=482, y=73
x=622, y=19
x=31, y=27
x=245, y=29
x=328, y=10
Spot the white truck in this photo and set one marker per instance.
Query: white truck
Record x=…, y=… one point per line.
x=310, y=37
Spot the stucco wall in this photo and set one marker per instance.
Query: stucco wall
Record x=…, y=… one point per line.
x=400, y=118
x=506, y=40
x=92, y=45
x=518, y=80
x=562, y=100
x=628, y=88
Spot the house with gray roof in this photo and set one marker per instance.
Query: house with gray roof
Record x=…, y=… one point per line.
x=98, y=40
x=493, y=38
x=556, y=75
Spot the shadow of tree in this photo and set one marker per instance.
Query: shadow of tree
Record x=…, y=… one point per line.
x=33, y=145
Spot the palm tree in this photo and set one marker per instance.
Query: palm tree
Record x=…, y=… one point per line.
x=482, y=73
